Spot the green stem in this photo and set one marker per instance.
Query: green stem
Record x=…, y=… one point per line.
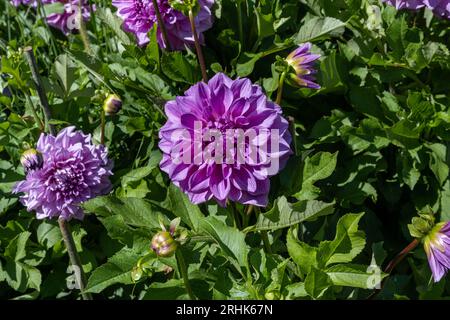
x=184, y=274
x=240, y=25
x=40, y=88
x=280, y=88
x=236, y=219
x=33, y=110
x=264, y=235
x=291, y=121
x=75, y=261
x=277, y=49
x=8, y=20
x=201, y=59
x=161, y=25
x=83, y=32
x=43, y=14
x=102, y=128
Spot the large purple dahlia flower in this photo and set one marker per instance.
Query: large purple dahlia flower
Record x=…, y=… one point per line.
x=139, y=17
x=303, y=61
x=223, y=140
x=437, y=247
x=67, y=20
x=74, y=170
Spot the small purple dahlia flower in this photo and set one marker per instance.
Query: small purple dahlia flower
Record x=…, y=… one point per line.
x=437, y=248
x=66, y=21
x=302, y=61
x=74, y=170
x=139, y=17
x=223, y=141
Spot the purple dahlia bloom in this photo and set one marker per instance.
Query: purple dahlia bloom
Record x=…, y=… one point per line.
x=67, y=20
x=231, y=139
x=139, y=17
x=437, y=247
x=302, y=60
x=74, y=170
x=440, y=8
x=406, y=4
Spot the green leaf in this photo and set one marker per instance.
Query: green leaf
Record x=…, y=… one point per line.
x=316, y=283
x=116, y=270
x=347, y=243
x=178, y=68
x=183, y=208
x=246, y=63
x=48, y=234
x=230, y=240
x=319, y=28
x=318, y=167
x=285, y=214
x=16, y=248
x=114, y=23
x=438, y=161
x=301, y=253
x=135, y=212
x=357, y=276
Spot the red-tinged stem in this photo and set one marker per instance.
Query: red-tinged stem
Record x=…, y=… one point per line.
x=394, y=262
x=161, y=25
x=198, y=48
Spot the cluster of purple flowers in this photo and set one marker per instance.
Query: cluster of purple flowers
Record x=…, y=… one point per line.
x=440, y=8
x=139, y=17
x=66, y=21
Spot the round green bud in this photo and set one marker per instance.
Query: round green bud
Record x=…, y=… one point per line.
x=163, y=244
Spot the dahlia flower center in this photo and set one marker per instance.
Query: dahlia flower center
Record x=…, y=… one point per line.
x=67, y=180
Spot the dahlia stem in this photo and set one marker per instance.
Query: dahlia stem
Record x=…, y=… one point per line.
x=83, y=32
x=264, y=235
x=102, y=128
x=40, y=88
x=184, y=274
x=33, y=110
x=291, y=121
x=161, y=25
x=200, y=57
x=280, y=88
x=240, y=26
x=394, y=262
x=75, y=261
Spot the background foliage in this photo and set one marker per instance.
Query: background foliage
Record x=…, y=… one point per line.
x=372, y=149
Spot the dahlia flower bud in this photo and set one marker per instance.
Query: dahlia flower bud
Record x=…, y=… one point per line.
x=302, y=61
x=437, y=248
x=112, y=104
x=31, y=159
x=164, y=244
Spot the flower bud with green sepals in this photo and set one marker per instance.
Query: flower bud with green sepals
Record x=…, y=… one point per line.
x=31, y=160
x=185, y=6
x=112, y=104
x=163, y=244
